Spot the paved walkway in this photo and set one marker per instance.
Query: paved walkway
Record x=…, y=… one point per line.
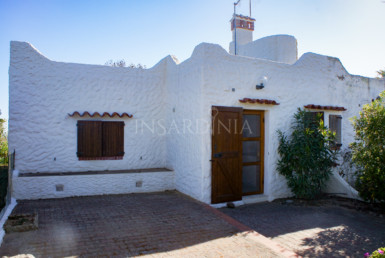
x=161, y=225
x=326, y=231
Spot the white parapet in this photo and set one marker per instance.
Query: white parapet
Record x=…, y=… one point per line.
x=59, y=186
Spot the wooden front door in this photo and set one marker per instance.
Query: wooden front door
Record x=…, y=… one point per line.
x=226, y=154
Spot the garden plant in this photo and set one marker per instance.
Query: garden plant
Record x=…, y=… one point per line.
x=380, y=252
x=368, y=150
x=306, y=156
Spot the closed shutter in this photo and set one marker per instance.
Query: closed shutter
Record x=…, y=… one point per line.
x=113, y=139
x=89, y=139
x=335, y=122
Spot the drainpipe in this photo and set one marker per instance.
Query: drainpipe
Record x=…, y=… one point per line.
x=235, y=29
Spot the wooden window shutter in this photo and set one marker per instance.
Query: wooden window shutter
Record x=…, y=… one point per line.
x=335, y=122
x=89, y=139
x=113, y=139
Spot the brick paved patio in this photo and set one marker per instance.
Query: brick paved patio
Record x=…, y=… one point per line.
x=165, y=224
x=326, y=231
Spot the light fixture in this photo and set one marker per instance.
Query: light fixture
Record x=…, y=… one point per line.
x=260, y=86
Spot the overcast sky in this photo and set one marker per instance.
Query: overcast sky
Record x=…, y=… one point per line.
x=145, y=31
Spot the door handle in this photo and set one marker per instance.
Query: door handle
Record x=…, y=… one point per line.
x=217, y=155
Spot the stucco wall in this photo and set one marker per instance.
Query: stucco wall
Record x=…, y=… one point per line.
x=43, y=92
x=40, y=187
x=279, y=48
x=171, y=104
x=243, y=36
x=183, y=111
x=313, y=79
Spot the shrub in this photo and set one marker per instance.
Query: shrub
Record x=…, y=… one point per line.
x=368, y=150
x=380, y=252
x=306, y=158
x=3, y=143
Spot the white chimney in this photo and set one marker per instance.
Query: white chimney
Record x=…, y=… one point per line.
x=242, y=28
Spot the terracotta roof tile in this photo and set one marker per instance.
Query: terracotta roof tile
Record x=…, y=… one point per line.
x=86, y=113
x=258, y=101
x=245, y=17
x=312, y=106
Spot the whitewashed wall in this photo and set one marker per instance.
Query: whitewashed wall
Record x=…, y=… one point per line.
x=177, y=98
x=243, y=36
x=184, y=140
x=43, y=92
x=279, y=48
x=313, y=79
x=40, y=187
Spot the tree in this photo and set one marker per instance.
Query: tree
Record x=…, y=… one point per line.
x=368, y=150
x=381, y=73
x=122, y=63
x=140, y=66
x=306, y=158
x=3, y=142
x=117, y=63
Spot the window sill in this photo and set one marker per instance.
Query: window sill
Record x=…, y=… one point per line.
x=101, y=158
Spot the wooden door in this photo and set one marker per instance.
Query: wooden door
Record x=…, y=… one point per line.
x=253, y=143
x=226, y=154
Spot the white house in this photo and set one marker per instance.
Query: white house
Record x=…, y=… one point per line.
x=90, y=129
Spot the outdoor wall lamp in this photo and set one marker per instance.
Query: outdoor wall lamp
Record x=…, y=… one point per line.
x=260, y=86
x=263, y=81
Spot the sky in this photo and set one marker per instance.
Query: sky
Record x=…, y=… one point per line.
x=145, y=31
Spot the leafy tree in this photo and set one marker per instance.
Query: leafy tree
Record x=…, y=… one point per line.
x=122, y=63
x=306, y=157
x=368, y=150
x=140, y=66
x=117, y=63
x=3, y=142
x=381, y=73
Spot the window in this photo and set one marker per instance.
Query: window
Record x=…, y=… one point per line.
x=335, y=126
x=99, y=140
x=312, y=117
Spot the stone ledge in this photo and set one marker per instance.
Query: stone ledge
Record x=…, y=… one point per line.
x=82, y=173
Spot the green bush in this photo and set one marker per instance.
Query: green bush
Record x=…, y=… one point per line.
x=379, y=253
x=3, y=143
x=306, y=158
x=368, y=150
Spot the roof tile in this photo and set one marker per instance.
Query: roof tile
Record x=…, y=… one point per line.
x=86, y=113
x=258, y=101
x=312, y=106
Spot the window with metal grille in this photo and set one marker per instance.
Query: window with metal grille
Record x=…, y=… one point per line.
x=335, y=126
x=98, y=140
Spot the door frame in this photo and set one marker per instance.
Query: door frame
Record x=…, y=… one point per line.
x=262, y=149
